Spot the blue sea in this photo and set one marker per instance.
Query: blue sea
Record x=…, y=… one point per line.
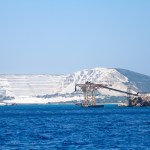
x=62, y=127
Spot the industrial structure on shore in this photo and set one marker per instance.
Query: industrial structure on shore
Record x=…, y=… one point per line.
x=89, y=89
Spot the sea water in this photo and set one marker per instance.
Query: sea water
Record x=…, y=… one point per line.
x=47, y=127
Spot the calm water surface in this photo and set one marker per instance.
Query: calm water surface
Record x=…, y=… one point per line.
x=61, y=127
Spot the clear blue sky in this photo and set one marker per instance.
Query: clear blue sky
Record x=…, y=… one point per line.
x=62, y=36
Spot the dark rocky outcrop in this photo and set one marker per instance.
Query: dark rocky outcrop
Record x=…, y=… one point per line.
x=141, y=101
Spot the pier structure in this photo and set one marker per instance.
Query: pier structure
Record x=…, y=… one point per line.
x=89, y=90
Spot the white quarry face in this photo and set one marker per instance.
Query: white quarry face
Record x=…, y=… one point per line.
x=27, y=86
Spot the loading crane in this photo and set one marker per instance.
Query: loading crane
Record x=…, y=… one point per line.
x=89, y=89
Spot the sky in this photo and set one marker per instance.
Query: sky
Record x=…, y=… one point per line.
x=59, y=37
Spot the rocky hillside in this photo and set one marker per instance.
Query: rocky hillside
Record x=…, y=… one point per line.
x=39, y=85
